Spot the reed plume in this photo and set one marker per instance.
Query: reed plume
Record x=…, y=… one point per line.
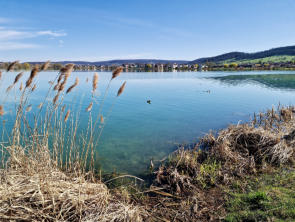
x=34, y=73
x=1, y=110
x=34, y=87
x=63, y=108
x=40, y=105
x=0, y=75
x=55, y=99
x=29, y=82
x=94, y=82
x=65, y=72
x=11, y=66
x=45, y=66
x=67, y=69
x=9, y=88
x=120, y=91
x=117, y=72
x=101, y=119
x=62, y=86
x=21, y=86
x=56, y=87
x=29, y=108
x=73, y=86
x=88, y=109
x=18, y=76
x=59, y=78
x=67, y=116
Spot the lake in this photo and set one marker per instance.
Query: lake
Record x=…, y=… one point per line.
x=183, y=107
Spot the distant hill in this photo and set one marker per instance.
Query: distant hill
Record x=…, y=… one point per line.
x=281, y=54
x=239, y=56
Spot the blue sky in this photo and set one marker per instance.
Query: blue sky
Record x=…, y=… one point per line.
x=95, y=30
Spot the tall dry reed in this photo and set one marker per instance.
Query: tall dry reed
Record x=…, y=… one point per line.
x=45, y=142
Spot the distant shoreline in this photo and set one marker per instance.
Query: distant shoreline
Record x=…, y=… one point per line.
x=197, y=71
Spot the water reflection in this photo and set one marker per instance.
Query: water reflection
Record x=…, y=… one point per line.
x=279, y=81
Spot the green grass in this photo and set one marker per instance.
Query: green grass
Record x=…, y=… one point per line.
x=208, y=174
x=270, y=197
x=271, y=59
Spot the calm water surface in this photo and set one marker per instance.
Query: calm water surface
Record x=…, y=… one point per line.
x=184, y=106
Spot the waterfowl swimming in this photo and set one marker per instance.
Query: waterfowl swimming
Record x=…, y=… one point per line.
x=149, y=101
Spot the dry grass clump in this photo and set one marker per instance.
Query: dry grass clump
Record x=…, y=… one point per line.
x=193, y=183
x=236, y=151
x=187, y=171
x=245, y=149
x=119, y=211
x=32, y=188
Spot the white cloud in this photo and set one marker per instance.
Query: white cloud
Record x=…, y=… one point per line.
x=16, y=45
x=51, y=33
x=13, y=34
x=8, y=37
x=9, y=34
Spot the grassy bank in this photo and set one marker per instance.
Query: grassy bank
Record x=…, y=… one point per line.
x=266, y=197
x=243, y=173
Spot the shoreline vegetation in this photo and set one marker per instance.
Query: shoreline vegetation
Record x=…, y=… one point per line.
x=245, y=172
x=167, y=67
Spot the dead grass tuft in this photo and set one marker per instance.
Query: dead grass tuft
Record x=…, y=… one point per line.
x=236, y=151
x=32, y=188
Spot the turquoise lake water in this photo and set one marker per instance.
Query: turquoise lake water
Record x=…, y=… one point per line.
x=184, y=106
